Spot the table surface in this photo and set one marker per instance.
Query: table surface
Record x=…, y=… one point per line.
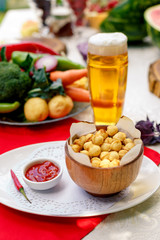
x=142, y=221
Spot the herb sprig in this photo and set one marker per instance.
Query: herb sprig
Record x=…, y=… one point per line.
x=150, y=131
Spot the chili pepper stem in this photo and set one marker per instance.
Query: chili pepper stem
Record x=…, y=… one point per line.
x=23, y=192
x=18, y=185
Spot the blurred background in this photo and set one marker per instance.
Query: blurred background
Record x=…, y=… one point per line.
x=86, y=10
x=11, y=4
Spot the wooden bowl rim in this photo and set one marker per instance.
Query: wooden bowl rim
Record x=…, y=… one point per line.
x=67, y=153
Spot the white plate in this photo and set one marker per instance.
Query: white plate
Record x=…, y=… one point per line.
x=67, y=199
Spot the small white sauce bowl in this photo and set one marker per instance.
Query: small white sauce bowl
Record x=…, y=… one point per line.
x=42, y=185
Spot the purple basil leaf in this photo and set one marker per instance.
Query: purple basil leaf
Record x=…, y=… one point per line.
x=150, y=133
x=158, y=127
x=83, y=49
x=158, y=139
x=146, y=127
x=153, y=141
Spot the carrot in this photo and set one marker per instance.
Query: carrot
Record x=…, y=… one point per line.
x=78, y=94
x=68, y=76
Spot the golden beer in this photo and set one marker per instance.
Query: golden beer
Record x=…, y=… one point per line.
x=107, y=65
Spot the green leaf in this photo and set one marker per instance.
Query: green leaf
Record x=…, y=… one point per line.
x=57, y=86
x=3, y=54
x=54, y=88
x=40, y=78
x=27, y=64
x=37, y=92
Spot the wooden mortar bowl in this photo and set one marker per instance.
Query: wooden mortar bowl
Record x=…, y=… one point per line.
x=103, y=181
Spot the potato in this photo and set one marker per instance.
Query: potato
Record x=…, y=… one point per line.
x=59, y=106
x=36, y=109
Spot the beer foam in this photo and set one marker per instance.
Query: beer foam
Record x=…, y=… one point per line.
x=107, y=44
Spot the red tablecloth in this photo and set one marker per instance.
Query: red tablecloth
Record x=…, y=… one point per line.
x=16, y=225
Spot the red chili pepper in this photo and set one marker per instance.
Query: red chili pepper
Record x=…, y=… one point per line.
x=18, y=185
x=28, y=47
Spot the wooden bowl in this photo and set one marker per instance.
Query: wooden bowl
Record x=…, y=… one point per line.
x=103, y=181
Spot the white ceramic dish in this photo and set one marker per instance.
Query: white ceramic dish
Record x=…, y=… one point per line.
x=67, y=199
x=42, y=185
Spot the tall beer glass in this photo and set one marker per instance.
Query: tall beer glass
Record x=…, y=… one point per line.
x=107, y=65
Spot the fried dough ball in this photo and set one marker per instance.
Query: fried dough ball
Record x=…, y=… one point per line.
x=76, y=147
x=128, y=146
x=116, y=145
x=127, y=140
x=120, y=136
x=80, y=141
x=94, y=150
x=59, y=106
x=113, y=155
x=114, y=163
x=36, y=109
x=112, y=130
x=102, y=132
x=97, y=139
x=104, y=155
x=104, y=163
x=85, y=152
x=122, y=153
x=109, y=140
x=87, y=145
x=105, y=147
x=89, y=137
x=95, y=161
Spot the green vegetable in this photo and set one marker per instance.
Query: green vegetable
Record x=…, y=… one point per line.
x=9, y=107
x=19, y=57
x=127, y=17
x=40, y=78
x=49, y=91
x=14, y=83
x=42, y=85
x=27, y=64
x=65, y=63
x=3, y=54
x=153, y=28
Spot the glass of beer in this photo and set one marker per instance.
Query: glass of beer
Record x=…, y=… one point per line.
x=107, y=65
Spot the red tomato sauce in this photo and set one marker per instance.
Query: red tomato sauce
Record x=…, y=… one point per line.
x=42, y=172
